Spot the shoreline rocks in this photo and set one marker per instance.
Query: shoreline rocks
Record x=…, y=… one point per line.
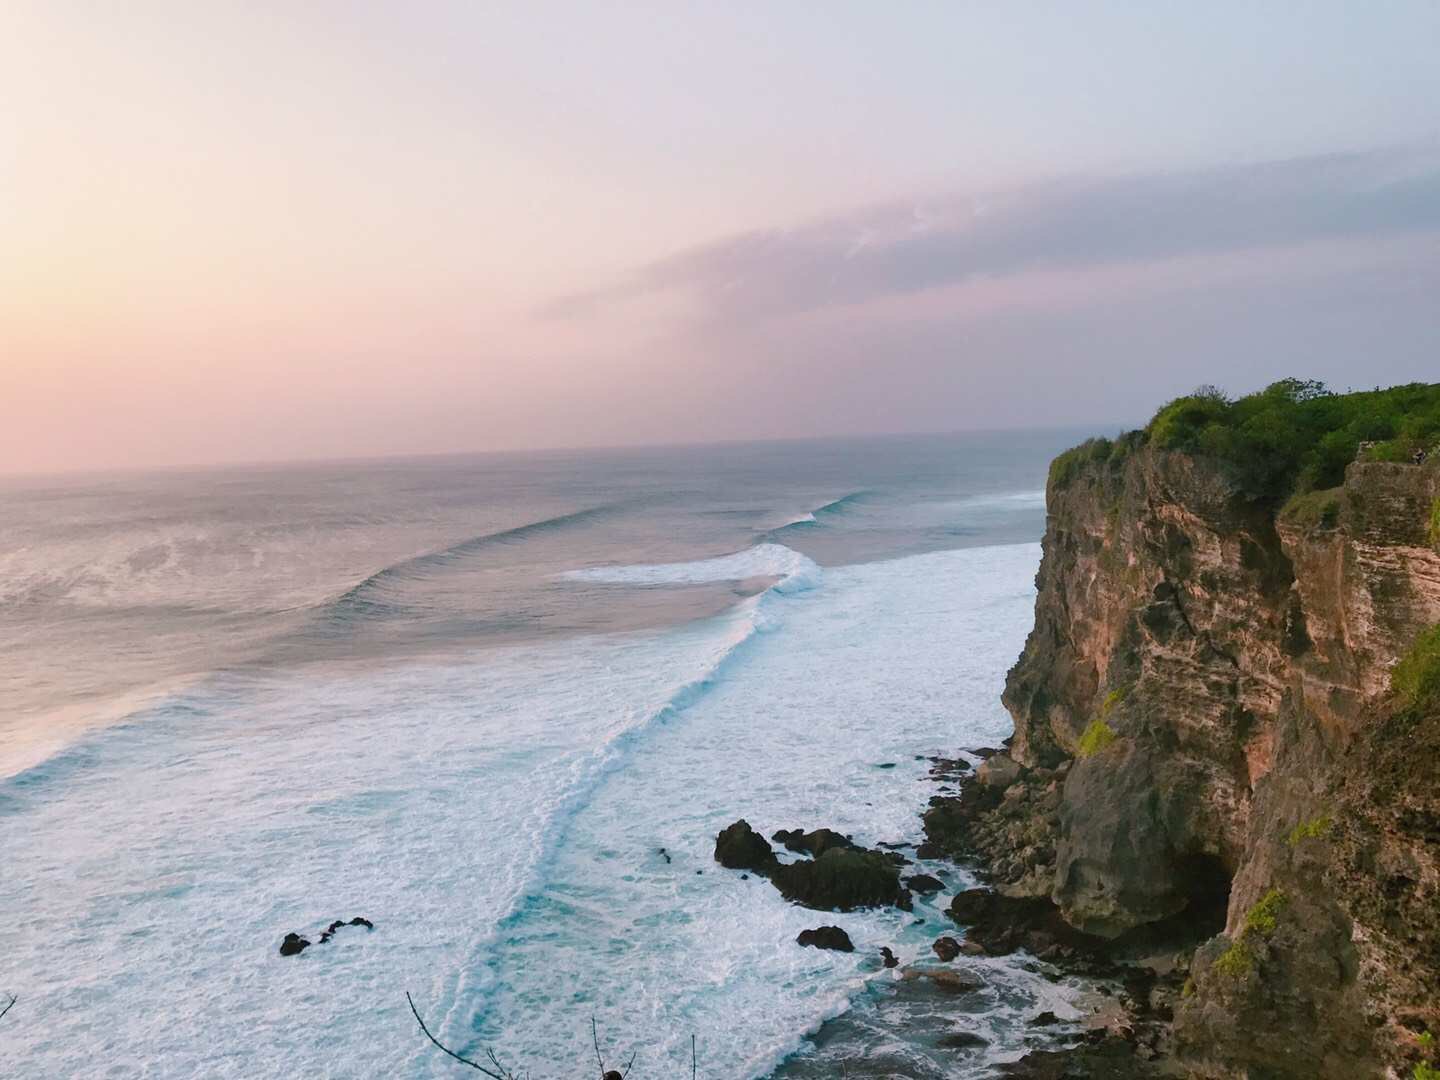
x=826, y=937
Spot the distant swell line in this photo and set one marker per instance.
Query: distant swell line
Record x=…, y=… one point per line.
x=835, y=506
x=360, y=599
x=816, y=517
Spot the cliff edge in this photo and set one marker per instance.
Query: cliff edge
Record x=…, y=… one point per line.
x=1211, y=703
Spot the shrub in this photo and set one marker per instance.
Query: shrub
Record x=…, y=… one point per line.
x=1067, y=466
x=1415, y=678
x=1115, y=697
x=1235, y=962
x=1434, y=533
x=1295, y=436
x=1425, y=1072
x=1316, y=828
x=1096, y=737
x=1264, y=916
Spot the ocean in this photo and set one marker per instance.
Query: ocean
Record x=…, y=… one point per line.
x=499, y=705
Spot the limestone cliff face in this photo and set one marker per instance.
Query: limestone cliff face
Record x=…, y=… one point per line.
x=1210, y=682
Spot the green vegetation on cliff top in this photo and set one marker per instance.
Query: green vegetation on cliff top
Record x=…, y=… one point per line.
x=1293, y=437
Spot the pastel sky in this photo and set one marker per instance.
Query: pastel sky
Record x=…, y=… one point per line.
x=291, y=229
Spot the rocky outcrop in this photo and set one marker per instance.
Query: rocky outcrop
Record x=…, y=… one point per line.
x=843, y=879
x=826, y=937
x=1205, y=740
x=739, y=847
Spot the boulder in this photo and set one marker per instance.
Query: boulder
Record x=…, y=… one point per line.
x=739, y=847
x=842, y=879
x=924, y=883
x=826, y=937
x=888, y=958
x=946, y=948
x=293, y=945
x=1001, y=924
x=999, y=771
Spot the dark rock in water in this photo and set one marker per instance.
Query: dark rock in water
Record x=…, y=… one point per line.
x=961, y=1040
x=924, y=883
x=946, y=948
x=739, y=847
x=293, y=945
x=888, y=958
x=886, y=765
x=1044, y=1019
x=950, y=980
x=665, y=855
x=329, y=931
x=814, y=843
x=826, y=937
x=842, y=879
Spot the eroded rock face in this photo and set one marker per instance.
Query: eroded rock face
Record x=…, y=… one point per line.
x=1204, y=677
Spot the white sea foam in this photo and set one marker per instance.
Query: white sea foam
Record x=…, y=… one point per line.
x=794, y=570
x=500, y=820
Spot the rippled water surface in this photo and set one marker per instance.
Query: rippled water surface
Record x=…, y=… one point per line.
x=472, y=700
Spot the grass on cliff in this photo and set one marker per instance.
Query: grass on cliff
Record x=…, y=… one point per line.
x=1096, y=737
x=1098, y=734
x=1434, y=534
x=1261, y=920
x=1295, y=436
x=1317, y=828
x=1415, y=679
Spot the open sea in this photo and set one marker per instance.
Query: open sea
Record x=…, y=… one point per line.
x=471, y=699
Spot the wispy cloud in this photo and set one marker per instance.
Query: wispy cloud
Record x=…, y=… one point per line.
x=905, y=248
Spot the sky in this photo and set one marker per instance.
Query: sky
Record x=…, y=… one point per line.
x=279, y=230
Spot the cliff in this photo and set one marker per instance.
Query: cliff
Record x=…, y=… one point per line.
x=1206, y=739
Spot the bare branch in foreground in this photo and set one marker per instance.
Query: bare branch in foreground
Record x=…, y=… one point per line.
x=503, y=1074
x=9, y=1006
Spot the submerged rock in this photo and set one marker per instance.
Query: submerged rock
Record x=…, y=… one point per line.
x=961, y=1040
x=739, y=847
x=826, y=937
x=951, y=980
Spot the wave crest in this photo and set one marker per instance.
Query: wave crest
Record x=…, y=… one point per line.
x=794, y=571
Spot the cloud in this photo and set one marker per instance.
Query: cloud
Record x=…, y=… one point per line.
x=1067, y=224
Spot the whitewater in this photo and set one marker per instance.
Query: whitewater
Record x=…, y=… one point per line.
x=522, y=793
